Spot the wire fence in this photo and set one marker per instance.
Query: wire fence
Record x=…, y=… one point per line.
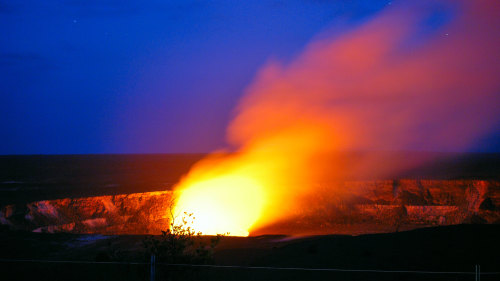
x=155, y=271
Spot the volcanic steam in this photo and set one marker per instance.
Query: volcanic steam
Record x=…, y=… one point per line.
x=396, y=82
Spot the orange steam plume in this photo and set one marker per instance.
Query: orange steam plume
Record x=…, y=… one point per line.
x=372, y=89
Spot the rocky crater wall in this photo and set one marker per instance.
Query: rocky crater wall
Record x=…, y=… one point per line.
x=137, y=213
x=390, y=203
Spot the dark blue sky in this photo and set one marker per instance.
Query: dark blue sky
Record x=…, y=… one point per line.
x=134, y=77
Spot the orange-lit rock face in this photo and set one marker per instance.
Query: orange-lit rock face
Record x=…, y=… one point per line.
x=137, y=213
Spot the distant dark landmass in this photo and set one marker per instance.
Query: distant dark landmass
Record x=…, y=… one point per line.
x=27, y=178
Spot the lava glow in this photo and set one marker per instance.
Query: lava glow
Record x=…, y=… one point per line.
x=227, y=204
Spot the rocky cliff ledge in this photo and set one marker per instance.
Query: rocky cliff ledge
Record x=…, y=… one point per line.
x=390, y=203
x=137, y=213
x=360, y=207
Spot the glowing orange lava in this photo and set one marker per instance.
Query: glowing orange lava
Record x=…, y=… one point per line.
x=226, y=204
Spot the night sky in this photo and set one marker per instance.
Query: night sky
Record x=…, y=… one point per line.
x=156, y=77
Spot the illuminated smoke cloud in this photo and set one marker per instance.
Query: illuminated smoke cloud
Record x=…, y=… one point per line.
x=375, y=88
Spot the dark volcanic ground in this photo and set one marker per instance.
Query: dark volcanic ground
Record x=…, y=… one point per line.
x=449, y=248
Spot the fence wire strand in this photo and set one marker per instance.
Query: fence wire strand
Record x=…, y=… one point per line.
x=256, y=267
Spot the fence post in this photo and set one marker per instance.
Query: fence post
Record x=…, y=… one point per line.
x=153, y=264
x=478, y=272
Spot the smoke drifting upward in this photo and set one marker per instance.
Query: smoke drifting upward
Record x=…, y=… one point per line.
x=376, y=88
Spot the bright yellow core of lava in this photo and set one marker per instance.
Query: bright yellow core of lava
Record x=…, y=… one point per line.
x=226, y=204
